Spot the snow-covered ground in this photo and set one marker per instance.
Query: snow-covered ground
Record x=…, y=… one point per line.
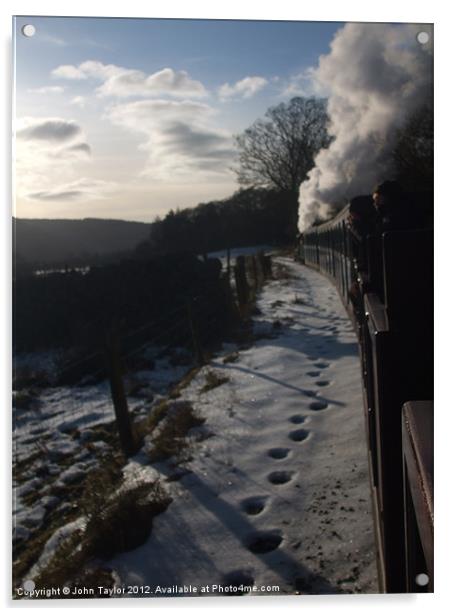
x=58, y=427
x=278, y=494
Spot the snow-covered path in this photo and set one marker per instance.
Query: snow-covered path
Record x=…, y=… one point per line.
x=278, y=495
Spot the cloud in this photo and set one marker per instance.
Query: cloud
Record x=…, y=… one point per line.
x=47, y=90
x=52, y=130
x=83, y=148
x=145, y=114
x=245, y=88
x=304, y=83
x=182, y=138
x=80, y=101
x=67, y=71
x=81, y=189
x=122, y=82
x=50, y=156
x=178, y=137
x=56, y=195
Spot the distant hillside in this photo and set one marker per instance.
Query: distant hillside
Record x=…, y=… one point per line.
x=57, y=242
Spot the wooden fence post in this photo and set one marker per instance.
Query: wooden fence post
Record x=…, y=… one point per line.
x=241, y=283
x=267, y=265
x=197, y=348
x=260, y=269
x=126, y=436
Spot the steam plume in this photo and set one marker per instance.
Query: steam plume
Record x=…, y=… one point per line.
x=375, y=76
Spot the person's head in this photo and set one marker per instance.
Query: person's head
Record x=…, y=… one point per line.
x=386, y=195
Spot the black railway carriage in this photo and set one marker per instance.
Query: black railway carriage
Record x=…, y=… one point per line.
x=386, y=284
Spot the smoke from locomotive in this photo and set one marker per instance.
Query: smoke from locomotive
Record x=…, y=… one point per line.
x=375, y=76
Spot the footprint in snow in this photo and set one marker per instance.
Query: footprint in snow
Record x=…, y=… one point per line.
x=318, y=405
x=278, y=453
x=310, y=393
x=297, y=419
x=280, y=477
x=313, y=373
x=322, y=383
x=263, y=542
x=236, y=579
x=299, y=435
x=254, y=504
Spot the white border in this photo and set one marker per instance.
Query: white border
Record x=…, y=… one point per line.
x=342, y=10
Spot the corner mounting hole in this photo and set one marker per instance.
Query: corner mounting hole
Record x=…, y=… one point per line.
x=29, y=585
x=28, y=30
x=422, y=579
x=423, y=38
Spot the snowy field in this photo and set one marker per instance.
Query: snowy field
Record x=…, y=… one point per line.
x=276, y=492
x=62, y=428
x=278, y=496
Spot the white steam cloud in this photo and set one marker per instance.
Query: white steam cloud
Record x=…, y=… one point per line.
x=376, y=75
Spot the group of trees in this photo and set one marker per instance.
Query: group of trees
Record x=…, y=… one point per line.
x=250, y=216
x=413, y=152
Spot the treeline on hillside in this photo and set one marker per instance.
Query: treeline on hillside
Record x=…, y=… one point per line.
x=155, y=288
x=75, y=310
x=251, y=216
x=42, y=243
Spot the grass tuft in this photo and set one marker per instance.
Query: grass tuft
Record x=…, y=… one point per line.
x=169, y=439
x=231, y=358
x=213, y=380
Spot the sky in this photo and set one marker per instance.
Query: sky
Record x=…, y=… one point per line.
x=128, y=118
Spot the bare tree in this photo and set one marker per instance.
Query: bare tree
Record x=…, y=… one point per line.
x=279, y=150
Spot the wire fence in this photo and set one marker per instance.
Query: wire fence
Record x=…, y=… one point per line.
x=90, y=404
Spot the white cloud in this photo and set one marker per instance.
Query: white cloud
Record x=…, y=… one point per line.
x=67, y=71
x=123, y=82
x=80, y=101
x=178, y=136
x=304, y=83
x=47, y=90
x=245, y=88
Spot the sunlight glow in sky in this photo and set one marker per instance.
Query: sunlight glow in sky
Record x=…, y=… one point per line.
x=128, y=118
